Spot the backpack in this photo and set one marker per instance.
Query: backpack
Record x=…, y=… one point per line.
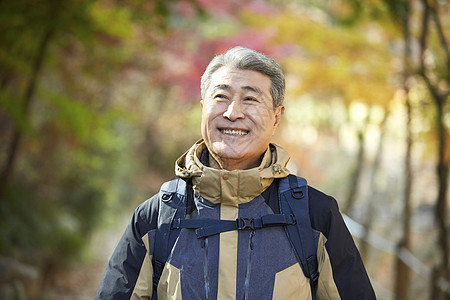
x=175, y=196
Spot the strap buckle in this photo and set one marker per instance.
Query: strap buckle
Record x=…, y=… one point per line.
x=297, y=193
x=245, y=223
x=167, y=197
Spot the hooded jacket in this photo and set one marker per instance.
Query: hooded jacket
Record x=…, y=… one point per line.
x=236, y=264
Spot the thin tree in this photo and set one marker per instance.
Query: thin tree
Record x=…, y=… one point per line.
x=402, y=272
x=356, y=174
x=439, y=97
x=374, y=192
x=30, y=88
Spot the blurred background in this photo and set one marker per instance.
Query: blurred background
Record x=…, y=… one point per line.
x=99, y=97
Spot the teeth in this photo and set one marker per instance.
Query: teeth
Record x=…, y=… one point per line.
x=235, y=132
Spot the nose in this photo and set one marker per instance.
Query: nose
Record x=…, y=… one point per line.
x=234, y=111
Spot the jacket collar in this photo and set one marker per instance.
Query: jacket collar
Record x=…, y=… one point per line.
x=231, y=187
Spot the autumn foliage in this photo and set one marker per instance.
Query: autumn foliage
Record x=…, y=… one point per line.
x=99, y=97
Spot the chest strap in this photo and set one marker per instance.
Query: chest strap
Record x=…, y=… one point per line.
x=207, y=227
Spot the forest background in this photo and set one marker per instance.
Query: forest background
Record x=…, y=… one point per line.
x=99, y=97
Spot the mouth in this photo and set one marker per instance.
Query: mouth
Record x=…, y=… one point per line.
x=238, y=132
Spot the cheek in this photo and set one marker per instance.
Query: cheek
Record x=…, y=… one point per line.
x=263, y=118
x=210, y=110
x=208, y=120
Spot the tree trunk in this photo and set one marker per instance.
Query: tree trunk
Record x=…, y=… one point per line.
x=374, y=192
x=356, y=174
x=441, y=203
x=29, y=93
x=401, y=269
x=402, y=272
x=430, y=11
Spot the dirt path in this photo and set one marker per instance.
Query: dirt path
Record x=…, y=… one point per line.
x=77, y=284
x=81, y=282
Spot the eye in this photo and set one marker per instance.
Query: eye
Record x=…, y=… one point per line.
x=220, y=96
x=250, y=99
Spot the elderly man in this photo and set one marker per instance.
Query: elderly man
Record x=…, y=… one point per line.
x=235, y=224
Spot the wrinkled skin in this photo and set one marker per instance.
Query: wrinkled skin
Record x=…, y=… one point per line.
x=238, y=118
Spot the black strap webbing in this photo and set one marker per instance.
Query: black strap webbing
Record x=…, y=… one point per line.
x=171, y=205
x=294, y=200
x=207, y=227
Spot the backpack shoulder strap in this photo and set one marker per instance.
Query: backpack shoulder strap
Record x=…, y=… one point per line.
x=293, y=193
x=172, y=204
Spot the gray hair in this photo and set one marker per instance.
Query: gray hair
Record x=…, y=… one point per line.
x=247, y=59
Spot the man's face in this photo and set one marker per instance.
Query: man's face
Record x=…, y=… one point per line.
x=238, y=117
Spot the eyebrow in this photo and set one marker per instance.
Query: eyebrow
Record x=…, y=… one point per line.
x=253, y=89
x=222, y=87
x=246, y=87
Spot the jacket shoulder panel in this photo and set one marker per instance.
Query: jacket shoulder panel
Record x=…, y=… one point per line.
x=348, y=272
x=322, y=209
x=125, y=264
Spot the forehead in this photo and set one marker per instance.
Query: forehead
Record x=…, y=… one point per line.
x=237, y=79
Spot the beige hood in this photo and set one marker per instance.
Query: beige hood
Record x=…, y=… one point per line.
x=232, y=187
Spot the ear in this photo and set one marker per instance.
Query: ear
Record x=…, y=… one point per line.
x=201, y=103
x=279, y=114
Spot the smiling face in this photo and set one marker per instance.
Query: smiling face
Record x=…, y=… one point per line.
x=238, y=117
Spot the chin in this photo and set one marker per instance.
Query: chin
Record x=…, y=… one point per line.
x=224, y=154
x=231, y=150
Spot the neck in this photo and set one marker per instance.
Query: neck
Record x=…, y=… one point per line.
x=231, y=165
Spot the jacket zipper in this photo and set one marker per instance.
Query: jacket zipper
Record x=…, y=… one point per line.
x=205, y=267
x=249, y=264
